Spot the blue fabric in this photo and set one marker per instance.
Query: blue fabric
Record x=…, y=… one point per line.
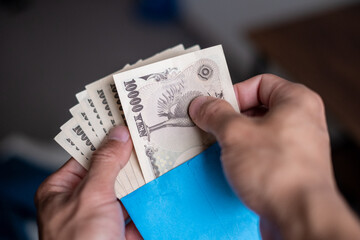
x=158, y=10
x=19, y=181
x=193, y=201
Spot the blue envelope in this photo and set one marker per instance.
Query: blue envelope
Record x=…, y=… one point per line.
x=192, y=201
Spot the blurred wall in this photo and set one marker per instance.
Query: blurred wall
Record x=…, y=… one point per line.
x=49, y=50
x=227, y=21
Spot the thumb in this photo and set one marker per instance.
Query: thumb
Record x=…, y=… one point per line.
x=109, y=159
x=213, y=115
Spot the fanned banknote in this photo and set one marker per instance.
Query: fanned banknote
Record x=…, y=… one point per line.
x=152, y=96
x=155, y=100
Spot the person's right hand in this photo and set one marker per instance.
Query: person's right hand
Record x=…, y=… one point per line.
x=276, y=156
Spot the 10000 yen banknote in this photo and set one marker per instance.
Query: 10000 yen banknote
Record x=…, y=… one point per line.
x=155, y=94
x=155, y=100
x=105, y=98
x=104, y=94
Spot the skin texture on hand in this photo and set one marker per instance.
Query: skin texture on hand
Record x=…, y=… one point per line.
x=76, y=204
x=276, y=157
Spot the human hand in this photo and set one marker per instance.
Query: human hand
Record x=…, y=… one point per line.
x=277, y=161
x=75, y=204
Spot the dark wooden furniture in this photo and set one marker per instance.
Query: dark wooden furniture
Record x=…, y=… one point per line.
x=323, y=52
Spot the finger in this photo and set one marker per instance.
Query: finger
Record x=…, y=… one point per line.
x=213, y=115
x=263, y=89
x=64, y=179
x=131, y=232
x=109, y=159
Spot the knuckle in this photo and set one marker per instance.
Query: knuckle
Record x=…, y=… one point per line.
x=38, y=195
x=310, y=99
x=41, y=192
x=274, y=79
x=318, y=101
x=269, y=76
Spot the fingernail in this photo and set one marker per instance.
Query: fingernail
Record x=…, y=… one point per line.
x=119, y=133
x=196, y=105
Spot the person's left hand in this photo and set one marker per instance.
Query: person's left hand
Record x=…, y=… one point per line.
x=75, y=204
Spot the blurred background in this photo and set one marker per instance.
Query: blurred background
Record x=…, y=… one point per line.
x=49, y=50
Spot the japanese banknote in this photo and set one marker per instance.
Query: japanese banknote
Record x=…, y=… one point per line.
x=152, y=98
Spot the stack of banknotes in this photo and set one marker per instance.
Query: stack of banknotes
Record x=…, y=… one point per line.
x=152, y=98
